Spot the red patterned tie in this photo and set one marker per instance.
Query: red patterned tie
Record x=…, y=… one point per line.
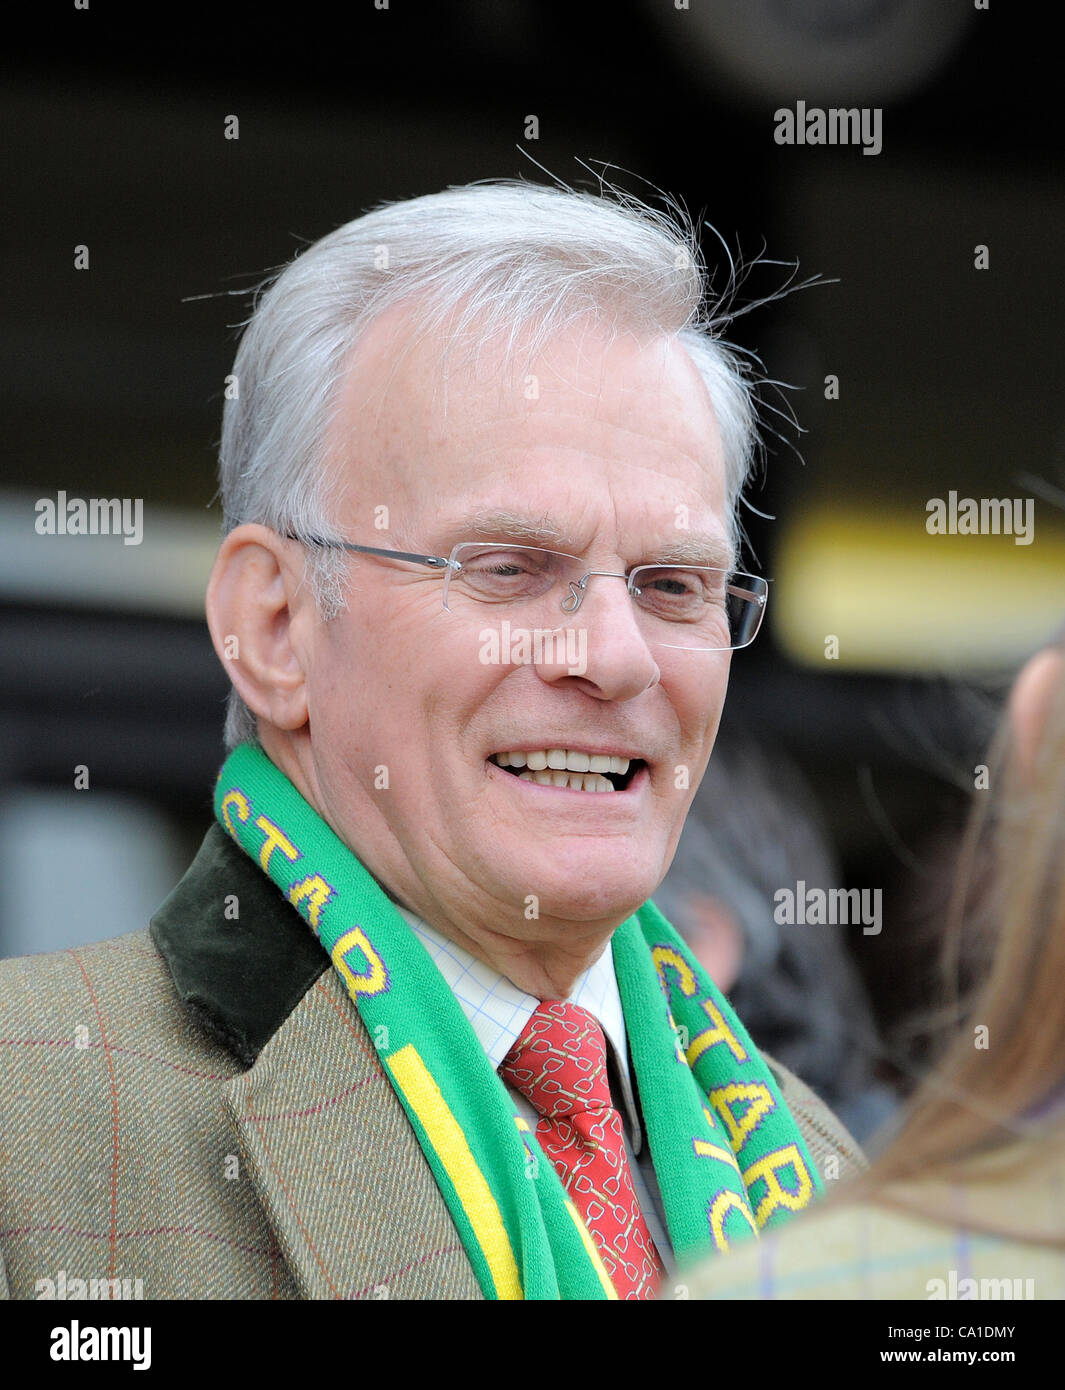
x=559, y=1065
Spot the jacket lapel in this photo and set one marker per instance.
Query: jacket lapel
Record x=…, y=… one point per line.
x=336, y=1164
x=323, y=1139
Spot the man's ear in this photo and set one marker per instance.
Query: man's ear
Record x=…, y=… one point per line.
x=254, y=627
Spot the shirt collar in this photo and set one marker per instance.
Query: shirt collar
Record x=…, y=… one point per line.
x=498, y=1010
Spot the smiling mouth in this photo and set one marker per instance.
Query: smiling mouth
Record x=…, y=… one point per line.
x=571, y=768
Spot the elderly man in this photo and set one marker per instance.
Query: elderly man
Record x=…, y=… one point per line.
x=409, y=1026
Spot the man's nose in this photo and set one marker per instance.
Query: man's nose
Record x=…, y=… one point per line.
x=604, y=648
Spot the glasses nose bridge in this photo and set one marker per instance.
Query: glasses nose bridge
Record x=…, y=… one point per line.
x=579, y=587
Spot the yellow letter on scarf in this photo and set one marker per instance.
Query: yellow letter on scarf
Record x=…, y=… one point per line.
x=776, y=1195
x=275, y=839
x=720, y=1032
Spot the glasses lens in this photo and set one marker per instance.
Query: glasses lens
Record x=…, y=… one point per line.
x=509, y=574
x=708, y=609
x=695, y=608
x=747, y=595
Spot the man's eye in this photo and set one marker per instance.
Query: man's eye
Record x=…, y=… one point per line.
x=506, y=574
x=672, y=585
x=502, y=568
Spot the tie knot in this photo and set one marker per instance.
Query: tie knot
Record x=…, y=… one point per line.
x=559, y=1062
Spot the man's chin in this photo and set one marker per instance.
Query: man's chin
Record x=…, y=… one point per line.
x=594, y=893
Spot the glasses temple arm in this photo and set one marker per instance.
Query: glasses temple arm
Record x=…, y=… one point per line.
x=436, y=561
x=737, y=592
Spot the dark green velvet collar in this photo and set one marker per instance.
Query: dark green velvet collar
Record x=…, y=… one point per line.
x=240, y=978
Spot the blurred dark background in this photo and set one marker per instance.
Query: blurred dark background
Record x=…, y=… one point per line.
x=949, y=376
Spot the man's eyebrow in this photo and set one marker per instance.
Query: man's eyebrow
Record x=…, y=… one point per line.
x=695, y=548
x=685, y=548
x=491, y=525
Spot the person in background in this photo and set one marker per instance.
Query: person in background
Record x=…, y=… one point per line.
x=754, y=828
x=968, y=1200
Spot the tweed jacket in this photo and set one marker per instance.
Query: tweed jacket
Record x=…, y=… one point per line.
x=198, y=1106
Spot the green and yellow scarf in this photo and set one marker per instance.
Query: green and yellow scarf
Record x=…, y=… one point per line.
x=728, y=1156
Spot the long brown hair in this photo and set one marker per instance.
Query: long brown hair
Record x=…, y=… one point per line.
x=994, y=1087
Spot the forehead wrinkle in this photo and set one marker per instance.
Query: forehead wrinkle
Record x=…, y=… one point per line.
x=516, y=456
x=532, y=416
x=436, y=420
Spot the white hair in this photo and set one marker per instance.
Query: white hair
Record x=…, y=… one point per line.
x=513, y=256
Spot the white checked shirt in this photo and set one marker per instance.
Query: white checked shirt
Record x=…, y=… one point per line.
x=499, y=1011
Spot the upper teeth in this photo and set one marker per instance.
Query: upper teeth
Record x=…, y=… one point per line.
x=564, y=759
